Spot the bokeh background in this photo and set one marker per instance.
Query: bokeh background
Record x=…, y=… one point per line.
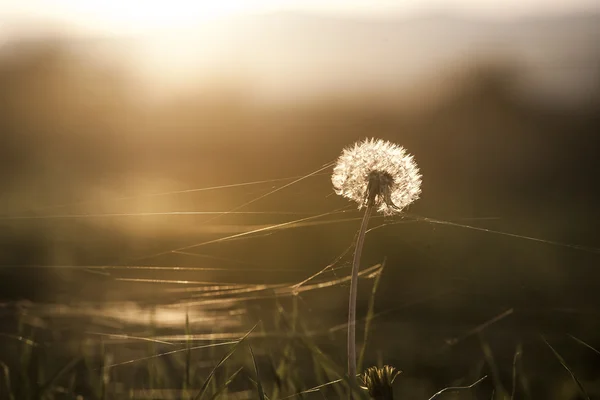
x=115, y=116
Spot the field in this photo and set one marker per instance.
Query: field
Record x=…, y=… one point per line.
x=141, y=242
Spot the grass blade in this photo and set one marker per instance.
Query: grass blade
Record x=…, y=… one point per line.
x=565, y=366
x=332, y=366
x=455, y=388
x=493, y=366
x=6, y=373
x=261, y=392
x=256, y=384
x=314, y=389
x=43, y=390
x=585, y=344
x=516, y=359
x=225, y=357
x=226, y=384
x=322, y=359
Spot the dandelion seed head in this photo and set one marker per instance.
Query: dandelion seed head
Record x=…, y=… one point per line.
x=378, y=172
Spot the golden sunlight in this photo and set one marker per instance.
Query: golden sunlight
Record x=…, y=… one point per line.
x=138, y=16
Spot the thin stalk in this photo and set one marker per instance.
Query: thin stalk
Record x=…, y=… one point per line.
x=370, y=314
x=354, y=293
x=188, y=357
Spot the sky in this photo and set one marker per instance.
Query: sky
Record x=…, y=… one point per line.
x=176, y=40
x=138, y=16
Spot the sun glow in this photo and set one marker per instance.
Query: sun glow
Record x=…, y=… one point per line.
x=138, y=16
x=149, y=15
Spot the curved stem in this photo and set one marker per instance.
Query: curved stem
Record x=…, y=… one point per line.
x=354, y=293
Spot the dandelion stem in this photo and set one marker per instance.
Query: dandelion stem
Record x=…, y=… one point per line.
x=354, y=293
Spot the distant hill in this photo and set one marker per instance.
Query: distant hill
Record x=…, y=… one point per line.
x=291, y=54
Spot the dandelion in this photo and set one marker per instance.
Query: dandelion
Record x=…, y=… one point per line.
x=377, y=175
x=378, y=382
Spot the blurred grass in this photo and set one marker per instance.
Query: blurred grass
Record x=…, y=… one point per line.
x=281, y=370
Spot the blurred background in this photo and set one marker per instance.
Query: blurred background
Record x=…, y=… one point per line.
x=122, y=123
